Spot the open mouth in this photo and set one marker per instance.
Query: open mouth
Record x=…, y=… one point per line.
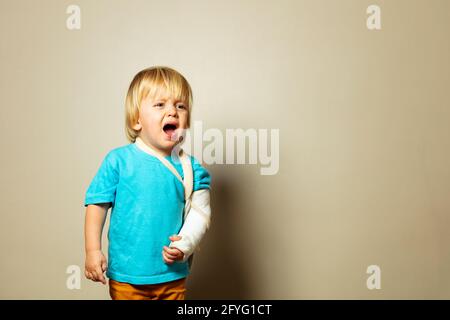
x=169, y=129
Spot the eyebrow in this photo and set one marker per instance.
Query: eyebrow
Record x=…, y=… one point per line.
x=165, y=99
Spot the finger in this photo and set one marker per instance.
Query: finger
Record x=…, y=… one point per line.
x=87, y=275
x=171, y=258
x=100, y=276
x=170, y=254
x=179, y=254
x=172, y=250
x=94, y=275
x=178, y=258
x=174, y=254
x=175, y=238
x=167, y=259
x=104, y=266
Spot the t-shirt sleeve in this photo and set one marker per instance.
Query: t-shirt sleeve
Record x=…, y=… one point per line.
x=202, y=178
x=103, y=187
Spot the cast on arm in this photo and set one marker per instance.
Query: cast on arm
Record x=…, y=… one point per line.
x=195, y=225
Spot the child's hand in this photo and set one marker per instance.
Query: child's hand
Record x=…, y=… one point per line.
x=170, y=255
x=95, y=265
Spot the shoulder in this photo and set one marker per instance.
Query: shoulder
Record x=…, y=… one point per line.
x=118, y=155
x=202, y=177
x=120, y=152
x=196, y=165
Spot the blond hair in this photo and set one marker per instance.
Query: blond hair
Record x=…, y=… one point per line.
x=153, y=81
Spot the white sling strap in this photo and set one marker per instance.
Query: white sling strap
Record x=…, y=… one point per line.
x=187, y=170
x=188, y=181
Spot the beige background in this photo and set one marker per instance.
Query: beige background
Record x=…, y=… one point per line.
x=364, y=140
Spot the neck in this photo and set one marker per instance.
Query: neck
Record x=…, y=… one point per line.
x=147, y=147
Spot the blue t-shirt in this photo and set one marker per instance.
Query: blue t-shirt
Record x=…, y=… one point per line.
x=147, y=207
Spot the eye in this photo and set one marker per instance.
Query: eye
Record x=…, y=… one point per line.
x=181, y=106
x=159, y=104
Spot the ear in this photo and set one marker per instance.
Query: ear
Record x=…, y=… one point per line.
x=137, y=126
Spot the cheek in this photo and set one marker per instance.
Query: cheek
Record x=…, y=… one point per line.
x=184, y=120
x=149, y=120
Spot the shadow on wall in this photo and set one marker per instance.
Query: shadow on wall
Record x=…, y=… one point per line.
x=217, y=270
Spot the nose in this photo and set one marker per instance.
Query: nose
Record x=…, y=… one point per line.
x=172, y=111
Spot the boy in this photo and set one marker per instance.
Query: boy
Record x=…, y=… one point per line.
x=147, y=259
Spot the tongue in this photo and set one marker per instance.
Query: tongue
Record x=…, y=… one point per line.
x=170, y=132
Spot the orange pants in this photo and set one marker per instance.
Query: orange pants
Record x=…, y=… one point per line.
x=173, y=290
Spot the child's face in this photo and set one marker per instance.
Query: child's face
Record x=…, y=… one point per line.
x=160, y=120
